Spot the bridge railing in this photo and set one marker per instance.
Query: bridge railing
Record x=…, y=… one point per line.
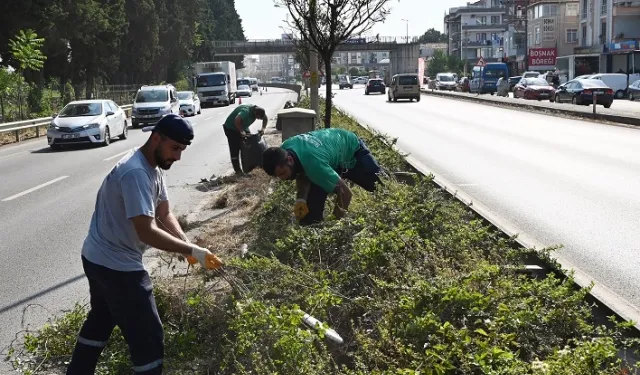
x=288, y=43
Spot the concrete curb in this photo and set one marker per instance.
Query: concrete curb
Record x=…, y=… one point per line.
x=537, y=107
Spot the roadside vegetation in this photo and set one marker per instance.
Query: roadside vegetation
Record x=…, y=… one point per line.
x=412, y=280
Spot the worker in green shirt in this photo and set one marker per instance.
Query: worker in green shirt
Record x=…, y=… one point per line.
x=319, y=161
x=237, y=126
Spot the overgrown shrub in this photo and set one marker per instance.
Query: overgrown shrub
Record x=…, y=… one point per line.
x=411, y=279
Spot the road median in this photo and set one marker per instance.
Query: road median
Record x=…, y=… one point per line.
x=410, y=280
x=557, y=109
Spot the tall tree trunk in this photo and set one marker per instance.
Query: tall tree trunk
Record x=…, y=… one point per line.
x=328, y=99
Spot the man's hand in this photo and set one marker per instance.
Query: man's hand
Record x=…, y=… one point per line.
x=300, y=209
x=203, y=256
x=338, y=212
x=244, y=134
x=261, y=132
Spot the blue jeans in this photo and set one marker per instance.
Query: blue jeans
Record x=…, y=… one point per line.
x=363, y=174
x=124, y=299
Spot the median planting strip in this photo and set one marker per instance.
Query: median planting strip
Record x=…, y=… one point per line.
x=560, y=109
x=412, y=281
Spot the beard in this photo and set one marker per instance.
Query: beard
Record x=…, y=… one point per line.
x=161, y=162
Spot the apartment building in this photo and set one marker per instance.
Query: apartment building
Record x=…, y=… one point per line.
x=608, y=37
x=477, y=30
x=552, y=34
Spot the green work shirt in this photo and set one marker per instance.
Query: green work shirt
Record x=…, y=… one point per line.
x=322, y=152
x=246, y=112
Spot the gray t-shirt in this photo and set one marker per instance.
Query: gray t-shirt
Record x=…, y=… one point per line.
x=131, y=189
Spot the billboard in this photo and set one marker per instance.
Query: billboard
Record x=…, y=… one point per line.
x=542, y=58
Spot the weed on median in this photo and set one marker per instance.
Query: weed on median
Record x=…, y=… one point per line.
x=412, y=281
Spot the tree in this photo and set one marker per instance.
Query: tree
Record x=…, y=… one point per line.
x=26, y=48
x=354, y=71
x=326, y=24
x=433, y=36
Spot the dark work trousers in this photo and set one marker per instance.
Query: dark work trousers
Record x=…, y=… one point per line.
x=124, y=299
x=363, y=174
x=235, y=144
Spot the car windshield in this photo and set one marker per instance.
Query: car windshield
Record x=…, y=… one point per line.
x=375, y=81
x=593, y=83
x=212, y=80
x=82, y=109
x=152, y=96
x=494, y=73
x=408, y=80
x=243, y=87
x=446, y=78
x=184, y=95
x=243, y=82
x=536, y=82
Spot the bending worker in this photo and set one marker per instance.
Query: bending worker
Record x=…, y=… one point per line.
x=237, y=126
x=319, y=161
x=132, y=213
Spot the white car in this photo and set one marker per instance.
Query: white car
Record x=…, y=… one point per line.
x=244, y=90
x=360, y=80
x=189, y=103
x=87, y=122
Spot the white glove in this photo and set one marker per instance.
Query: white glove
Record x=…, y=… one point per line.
x=203, y=256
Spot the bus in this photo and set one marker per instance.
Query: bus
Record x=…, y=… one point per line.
x=484, y=79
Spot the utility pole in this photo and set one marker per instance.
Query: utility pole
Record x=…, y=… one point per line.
x=407, y=22
x=525, y=13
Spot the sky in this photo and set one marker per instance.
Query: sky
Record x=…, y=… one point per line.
x=261, y=20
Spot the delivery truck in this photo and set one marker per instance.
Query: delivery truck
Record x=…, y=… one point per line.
x=215, y=82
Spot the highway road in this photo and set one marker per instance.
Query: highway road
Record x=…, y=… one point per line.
x=555, y=181
x=47, y=199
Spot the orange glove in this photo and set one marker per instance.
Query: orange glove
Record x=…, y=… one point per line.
x=203, y=256
x=300, y=209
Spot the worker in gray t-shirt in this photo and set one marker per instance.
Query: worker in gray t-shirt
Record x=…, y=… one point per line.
x=131, y=215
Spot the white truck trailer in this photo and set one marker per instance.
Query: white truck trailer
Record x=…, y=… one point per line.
x=215, y=82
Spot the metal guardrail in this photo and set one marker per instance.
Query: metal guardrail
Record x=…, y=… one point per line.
x=36, y=123
x=289, y=42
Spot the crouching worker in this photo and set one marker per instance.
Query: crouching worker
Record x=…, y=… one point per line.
x=319, y=161
x=237, y=126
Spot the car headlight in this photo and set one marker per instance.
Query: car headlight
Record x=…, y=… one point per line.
x=53, y=126
x=165, y=110
x=91, y=126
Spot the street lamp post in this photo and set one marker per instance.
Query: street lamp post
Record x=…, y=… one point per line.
x=407, y=22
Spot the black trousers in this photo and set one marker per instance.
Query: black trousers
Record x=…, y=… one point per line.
x=124, y=299
x=363, y=174
x=235, y=145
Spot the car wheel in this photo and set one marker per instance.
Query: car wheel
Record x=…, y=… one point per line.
x=574, y=100
x=125, y=131
x=366, y=92
x=619, y=94
x=631, y=97
x=557, y=99
x=608, y=105
x=107, y=137
x=417, y=98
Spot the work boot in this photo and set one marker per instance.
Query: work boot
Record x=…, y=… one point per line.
x=236, y=165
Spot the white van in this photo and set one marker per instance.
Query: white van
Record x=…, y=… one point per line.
x=446, y=81
x=617, y=82
x=152, y=103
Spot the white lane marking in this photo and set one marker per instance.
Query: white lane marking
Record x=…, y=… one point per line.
x=34, y=188
x=116, y=155
x=208, y=118
x=10, y=155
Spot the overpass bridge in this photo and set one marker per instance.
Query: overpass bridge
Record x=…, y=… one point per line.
x=285, y=46
x=403, y=52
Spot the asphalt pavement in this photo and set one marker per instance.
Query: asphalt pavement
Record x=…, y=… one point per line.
x=47, y=199
x=555, y=181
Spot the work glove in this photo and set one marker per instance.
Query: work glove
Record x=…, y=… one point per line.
x=261, y=132
x=205, y=257
x=338, y=212
x=300, y=209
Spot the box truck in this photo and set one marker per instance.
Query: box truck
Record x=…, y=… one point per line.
x=215, y=82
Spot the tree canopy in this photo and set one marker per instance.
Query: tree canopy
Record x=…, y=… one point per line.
x=119, y=41
x=433, y=36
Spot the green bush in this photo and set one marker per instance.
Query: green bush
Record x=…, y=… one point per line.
x=411, y=279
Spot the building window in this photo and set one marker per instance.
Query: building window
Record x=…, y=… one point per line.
x=585, y=8
x=603, y=33
x=495, y=20
x=572, y=10
x=603, y=7
x=529, y=39
x=572, y=35
x=483, y=20
x=537, y=32
x=584, y=36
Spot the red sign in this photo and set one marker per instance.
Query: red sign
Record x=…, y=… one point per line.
x=542, y=57
x=307, y=74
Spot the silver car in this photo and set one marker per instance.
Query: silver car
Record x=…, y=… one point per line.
x=87, y=122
